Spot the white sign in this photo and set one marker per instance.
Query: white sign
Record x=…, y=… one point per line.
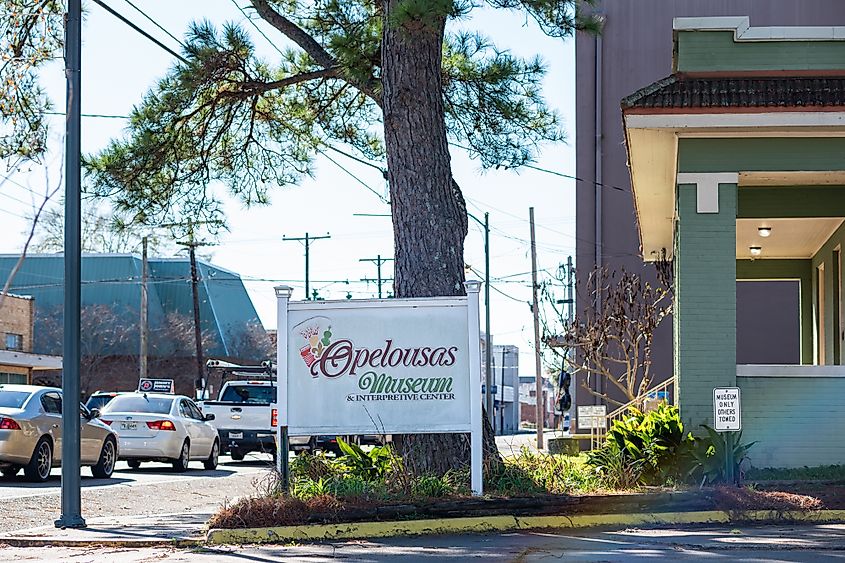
x=727, y=412
x=592, y=416
x=381, y=366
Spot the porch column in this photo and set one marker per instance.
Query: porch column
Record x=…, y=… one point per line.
x=705, y=293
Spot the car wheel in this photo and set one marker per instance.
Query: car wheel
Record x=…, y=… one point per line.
x=211, y=462
x=133, y=464
x=238, y=456
x=180, y=464
x=9, y=472
x=41, y=463
x=105, y=465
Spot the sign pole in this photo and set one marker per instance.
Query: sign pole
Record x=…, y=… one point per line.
x=472, y=288
x=283, y=293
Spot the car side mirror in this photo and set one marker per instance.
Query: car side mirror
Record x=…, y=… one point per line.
x=93, y=413
x=209, y=417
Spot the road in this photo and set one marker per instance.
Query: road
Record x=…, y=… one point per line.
x=726, y=543
x=154, y=488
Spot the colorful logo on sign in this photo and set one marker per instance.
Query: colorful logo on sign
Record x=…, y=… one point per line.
x=316, y=334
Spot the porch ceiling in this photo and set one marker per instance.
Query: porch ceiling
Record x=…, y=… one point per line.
x=653, y=160
x=790, y=238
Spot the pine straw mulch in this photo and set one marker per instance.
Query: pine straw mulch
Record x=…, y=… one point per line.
x=269, y=511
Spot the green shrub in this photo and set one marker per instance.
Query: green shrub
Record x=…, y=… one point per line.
x=648, y=448
x=432, y=486
x=710, y=454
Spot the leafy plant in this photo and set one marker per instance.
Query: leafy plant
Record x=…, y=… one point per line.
x=432, y=486
x=710, y=454
x=367, y=465
x=651, y=448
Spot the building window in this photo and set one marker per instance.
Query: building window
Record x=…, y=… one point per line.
x=14, y=378
x=14, y=341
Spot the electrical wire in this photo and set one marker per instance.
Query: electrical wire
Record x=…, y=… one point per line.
x=141, y=31
x=241, y=10
x=155, y=23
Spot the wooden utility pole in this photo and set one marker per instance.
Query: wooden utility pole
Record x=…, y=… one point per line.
x=535, y=309
x=192, y=245
x=378, y=261
x=307, y=239
x=144, y=312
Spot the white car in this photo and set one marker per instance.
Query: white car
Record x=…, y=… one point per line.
x=162, y=427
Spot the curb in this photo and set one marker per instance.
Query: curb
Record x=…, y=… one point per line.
x=129, y=543
x=361, y=530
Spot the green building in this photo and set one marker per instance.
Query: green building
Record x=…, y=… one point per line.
x=737, y=163
x=110, y=317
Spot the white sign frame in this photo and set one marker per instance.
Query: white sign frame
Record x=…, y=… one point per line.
x=737, y=405
x=593, y=417
x=470, y=302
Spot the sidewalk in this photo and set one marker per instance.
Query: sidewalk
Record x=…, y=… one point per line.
x=131, y=531
x=511, y=444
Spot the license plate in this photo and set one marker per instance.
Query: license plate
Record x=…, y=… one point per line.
x=236, y=435
x=128, y=425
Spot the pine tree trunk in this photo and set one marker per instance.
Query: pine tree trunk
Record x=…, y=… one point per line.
x=429, y=213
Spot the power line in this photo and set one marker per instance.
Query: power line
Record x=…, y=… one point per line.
x=241, y=10
x=141, y=31
x=359, y=180
x=553, y=172
x=155, y=23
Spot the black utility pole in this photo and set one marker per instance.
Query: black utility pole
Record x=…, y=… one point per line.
x=307, y=239
x=378, y=261
x=71, y=516
x=488, y=344
x=192, y=245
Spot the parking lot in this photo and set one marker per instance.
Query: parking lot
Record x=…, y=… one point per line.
x=154, y=488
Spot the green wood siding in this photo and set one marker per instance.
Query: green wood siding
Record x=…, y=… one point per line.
x=801, y=270
x=761, y=154
x=709, y=51
x=790, y=202
x=796, y=421
x=705, y=302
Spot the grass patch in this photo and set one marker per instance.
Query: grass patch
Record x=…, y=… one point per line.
x=817, y=473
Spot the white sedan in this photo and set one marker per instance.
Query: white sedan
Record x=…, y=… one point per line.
x=162, y=427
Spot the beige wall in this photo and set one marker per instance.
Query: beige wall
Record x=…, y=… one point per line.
x=17, y=316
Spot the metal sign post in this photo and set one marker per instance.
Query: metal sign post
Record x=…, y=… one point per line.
x=727, y=418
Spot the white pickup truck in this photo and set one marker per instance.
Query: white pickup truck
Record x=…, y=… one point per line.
x=245, y=416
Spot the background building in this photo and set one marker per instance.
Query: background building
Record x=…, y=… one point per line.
x=17, y=323
x=505, y=370
x=110, y=316
x=634, y=51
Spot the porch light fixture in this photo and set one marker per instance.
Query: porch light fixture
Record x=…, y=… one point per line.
x=764, y=231
x=755, y=250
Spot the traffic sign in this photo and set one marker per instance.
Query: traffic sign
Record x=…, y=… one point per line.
x=727, y=411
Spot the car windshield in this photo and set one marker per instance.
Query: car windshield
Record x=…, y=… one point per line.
x=251, y=394
x=13, y=399
x=139, y=403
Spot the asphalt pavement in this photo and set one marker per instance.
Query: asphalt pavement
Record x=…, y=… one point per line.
x=152, y=489
x=716, y=543
x=148, y=474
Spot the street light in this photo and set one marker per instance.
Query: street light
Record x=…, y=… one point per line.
x=488, y=377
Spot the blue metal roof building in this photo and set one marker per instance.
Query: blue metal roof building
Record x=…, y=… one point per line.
x=114, y=280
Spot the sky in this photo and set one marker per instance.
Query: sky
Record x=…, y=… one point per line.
x=119, y=65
